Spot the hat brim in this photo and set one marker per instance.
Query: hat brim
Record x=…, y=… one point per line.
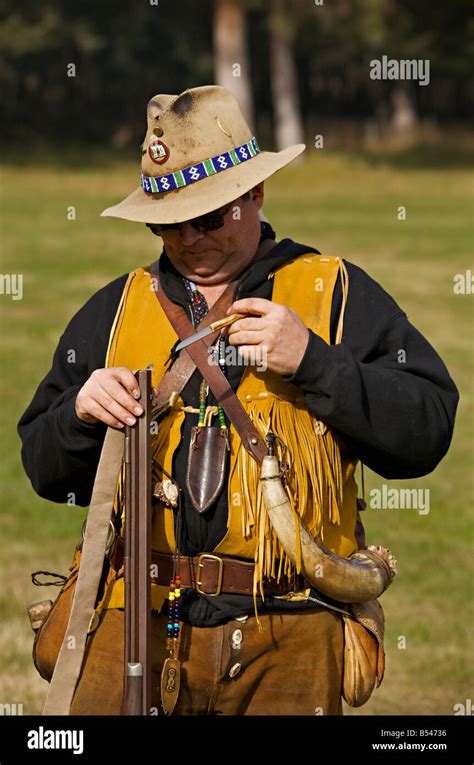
x=203, y=196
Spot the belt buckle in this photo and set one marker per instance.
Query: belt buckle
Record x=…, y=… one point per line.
x=220, y=575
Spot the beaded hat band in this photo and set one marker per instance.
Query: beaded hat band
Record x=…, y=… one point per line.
x=197, y=172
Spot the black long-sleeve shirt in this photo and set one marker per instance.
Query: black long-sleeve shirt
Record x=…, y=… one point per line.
x=396, y=417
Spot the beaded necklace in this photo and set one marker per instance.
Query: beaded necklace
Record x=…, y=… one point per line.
x=199, y=306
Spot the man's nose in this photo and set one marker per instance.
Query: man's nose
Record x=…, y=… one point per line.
x=189, y=234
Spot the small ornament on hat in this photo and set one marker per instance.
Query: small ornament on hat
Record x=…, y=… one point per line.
x=158, y=152
x=223, y=127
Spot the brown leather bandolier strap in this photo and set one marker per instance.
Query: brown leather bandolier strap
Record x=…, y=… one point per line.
x=249, y=435
x=210, y=574
x=176, y=377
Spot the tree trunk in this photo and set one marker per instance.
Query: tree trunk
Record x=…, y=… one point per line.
x=404, y=120
x=231, y=62
x=284, y=79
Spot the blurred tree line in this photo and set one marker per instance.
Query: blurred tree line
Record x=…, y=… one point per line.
x=79, y=70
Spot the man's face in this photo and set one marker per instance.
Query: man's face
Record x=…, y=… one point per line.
x=218, y=256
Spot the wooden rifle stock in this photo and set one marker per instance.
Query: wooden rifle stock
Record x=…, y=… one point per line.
x=137, y=558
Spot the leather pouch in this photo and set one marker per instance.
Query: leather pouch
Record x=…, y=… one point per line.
x=50, y=630
x=206, y=465
x=364, y=657
x=50, y=633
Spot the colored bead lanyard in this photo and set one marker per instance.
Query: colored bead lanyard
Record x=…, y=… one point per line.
x=172, y=630
x=174, y=596
x=171, y=671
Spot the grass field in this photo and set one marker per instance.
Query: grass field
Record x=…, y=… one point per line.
x=344, y=204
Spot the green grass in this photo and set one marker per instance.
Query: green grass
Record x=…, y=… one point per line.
x=344, y=204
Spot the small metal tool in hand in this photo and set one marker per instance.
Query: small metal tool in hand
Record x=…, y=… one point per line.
x=214, y=327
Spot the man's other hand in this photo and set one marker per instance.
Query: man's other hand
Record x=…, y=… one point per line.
x=271, y=331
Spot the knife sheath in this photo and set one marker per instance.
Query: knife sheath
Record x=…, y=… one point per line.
x=206, y=465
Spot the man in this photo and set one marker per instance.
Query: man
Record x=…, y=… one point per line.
x=324, y=339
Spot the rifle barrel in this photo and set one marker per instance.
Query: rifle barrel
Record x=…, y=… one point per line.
x=137, y=557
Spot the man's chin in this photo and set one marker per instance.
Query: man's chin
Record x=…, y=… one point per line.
x=206, y=276
x=204, y=265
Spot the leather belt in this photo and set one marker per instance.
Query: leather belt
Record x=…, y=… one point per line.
x=210, y=574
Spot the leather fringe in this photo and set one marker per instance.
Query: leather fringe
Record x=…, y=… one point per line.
x=314, y=483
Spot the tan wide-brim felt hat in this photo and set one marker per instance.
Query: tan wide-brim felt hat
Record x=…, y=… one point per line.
x=184, y=130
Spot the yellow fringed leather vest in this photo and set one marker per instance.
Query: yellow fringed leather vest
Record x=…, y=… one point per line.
x=321, y=481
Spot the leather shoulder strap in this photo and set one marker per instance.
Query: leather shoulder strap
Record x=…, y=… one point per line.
x=177, y=376
x=69, y=663
x=249, y=435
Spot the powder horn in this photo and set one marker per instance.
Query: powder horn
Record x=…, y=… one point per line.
x=363, y=576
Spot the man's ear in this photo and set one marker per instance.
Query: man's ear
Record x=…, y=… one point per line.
x=257, y=195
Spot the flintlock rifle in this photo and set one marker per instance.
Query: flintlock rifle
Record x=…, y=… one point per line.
x=137, y=557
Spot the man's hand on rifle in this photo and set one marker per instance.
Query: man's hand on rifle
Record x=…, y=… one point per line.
x=109, y=396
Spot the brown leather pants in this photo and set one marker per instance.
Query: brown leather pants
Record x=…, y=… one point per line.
x=293, y=667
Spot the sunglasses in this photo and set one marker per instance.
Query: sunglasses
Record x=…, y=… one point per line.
x=209, y=222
